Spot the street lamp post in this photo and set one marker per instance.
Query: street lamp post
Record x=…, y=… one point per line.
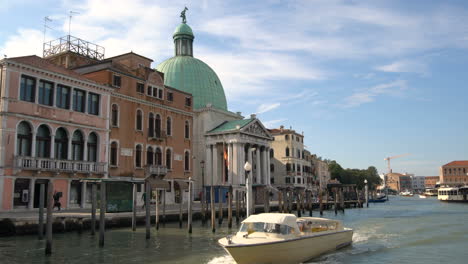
x=203, y=197
x=367, y=192
x=248, y=185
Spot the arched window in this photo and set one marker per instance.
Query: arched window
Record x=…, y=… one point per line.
x=23, y=144
x=77, y=145
x=92, y=147
x=187, y=129
x=168, y=158
x=151, y=125
x=187, y=161
x=272, y=153
x=138, y=156
x=158, y=126
x=169, y=126
x=149, y=156
x=139, y=120
x=61, y=144
x=115, y=116
x=158, y=157
x=43, y=142
x=113, y=154
x=287, y=152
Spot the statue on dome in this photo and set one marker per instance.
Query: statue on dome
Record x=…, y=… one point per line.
x=182, y=15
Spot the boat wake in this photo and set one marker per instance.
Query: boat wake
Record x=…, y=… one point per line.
x=223, y=259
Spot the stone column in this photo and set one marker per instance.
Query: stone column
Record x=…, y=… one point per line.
x=208, y=166
x=235, y=164
x=268, y=167
x=265, y=167
x=31, y=193
x=216, y=177
x=230, y=163
x=83, y=195
x=241, y=163
x=259, y=166
x=52, y=146
x=33, y=144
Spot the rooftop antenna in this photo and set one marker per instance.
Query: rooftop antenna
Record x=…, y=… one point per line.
x=46, y=19
x=69, y=20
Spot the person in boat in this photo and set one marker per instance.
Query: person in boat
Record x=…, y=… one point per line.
x=57, y=196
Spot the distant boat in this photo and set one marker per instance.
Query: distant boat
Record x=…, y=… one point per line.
x=380, y=199
x=430, y=192
x=406, y=194
x=422, y=196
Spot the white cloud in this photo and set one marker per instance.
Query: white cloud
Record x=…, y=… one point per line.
x=369, y=95
x=263, y=108
x=273, y=123
x=26, y=40
x=404, y=66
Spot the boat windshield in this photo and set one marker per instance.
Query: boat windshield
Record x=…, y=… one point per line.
x=265, y=228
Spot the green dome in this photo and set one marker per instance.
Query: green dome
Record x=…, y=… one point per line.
x=193, y=76
x=183, y=29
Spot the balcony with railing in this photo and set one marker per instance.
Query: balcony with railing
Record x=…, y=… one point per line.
x=157, y=170
x=56, y=165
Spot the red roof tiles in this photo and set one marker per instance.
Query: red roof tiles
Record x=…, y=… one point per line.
x=457, y=163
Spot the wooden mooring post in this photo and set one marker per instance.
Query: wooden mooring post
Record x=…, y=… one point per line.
x=265, y=200
x=342, y=200
x=310, y=202
x=50, y=208
x=298, y=204
x=156, y=220
x=164, y=207
x=220, y=206
x=134, y=210
x=280, y=201
x=181, y=204
x=212, y=210
x=189, y=209
x=230, y=207
x=203, y=205
x=237, y=207
x=147, y=208
x=102, y=214
x=41, y=212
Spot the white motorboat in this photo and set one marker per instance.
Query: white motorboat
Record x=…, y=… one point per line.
x=284, y=238
x=422, y=196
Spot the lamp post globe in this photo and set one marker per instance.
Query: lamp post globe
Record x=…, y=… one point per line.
x=248, y=185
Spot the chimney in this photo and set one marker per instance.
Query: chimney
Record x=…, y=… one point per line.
x=253, y=116
x=281, y=128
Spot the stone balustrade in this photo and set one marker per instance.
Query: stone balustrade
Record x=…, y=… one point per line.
x=56, y=165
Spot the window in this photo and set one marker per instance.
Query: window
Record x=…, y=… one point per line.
x=272, y=153
x=168, y=159
x=139, y=120
x=93, y=104
x=140, y=88
x=150, y=90
x=287, y=152
x=77, y=145
x=27, y=89
x=286, y=137
x=299, y=153
x=272, y=167
x=61, y=144
x=158, y=126
x=158, y=157
x=115, y=116
x=288, y=167
x=160, y=94
x=188, y=101
x=24, y=139
x=170, y=96
x=46, y=93
x=155, y=91
x=117, y=81
x=187, y=129
x=92, y=147
x=63, y=97
x=113, y=154
x=138, y=156
x=187, y=161
x=151, y=125
x=169, y=126
x=149, y=156
x=272, y=180
x=79, y=97
x=287, y=180
x=43, y=142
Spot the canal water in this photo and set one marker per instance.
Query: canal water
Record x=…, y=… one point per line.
x=403, y=230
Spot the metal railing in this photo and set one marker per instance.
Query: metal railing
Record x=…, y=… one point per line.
x=73, y=44
x=56, y=165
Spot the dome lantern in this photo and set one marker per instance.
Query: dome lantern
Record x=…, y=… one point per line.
x=183, y=37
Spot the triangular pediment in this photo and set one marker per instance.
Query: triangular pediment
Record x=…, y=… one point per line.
x=256, y=128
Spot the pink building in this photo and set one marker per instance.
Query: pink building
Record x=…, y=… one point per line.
x=54, y=127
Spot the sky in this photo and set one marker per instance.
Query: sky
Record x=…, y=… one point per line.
x=363, y=80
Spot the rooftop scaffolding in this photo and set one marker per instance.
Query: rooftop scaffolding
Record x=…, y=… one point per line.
x=73, y=44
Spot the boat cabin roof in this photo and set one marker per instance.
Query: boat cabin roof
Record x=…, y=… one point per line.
x=273, y=218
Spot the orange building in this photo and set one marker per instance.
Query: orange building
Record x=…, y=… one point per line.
x=431, y=181
x=454, y=173
x=150, y=123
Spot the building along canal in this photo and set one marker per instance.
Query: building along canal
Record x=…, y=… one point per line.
x=403, y=230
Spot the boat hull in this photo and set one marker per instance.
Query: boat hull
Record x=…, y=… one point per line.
x=289, y=251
